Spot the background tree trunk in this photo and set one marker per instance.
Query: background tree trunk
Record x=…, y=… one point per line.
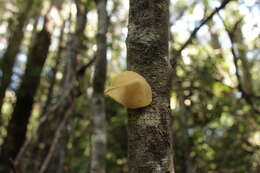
x=54, y=71
x=245, y=65
x=27, y=148
x=44, y=148
x=98, y=108
x=149, y=141
x=17, y=127
x=12, y=50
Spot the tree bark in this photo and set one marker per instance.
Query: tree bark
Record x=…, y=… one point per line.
x=98, y=141
x=149, y=140
x=12, y=50
x=17, y=127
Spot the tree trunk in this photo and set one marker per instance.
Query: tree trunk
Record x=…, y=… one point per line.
x=246, y=68
x=98, y=141
x=55, y=153
x=66, y=109
x=54, y=72
x=42, y=150
x=12, y=50
x=149, y=141
x=16, y=131
x=27, y=148
x=187, y=165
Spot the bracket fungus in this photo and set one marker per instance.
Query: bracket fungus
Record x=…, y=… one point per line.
x=131, y=90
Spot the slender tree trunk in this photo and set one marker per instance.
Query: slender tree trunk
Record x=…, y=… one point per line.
x=246, y=68
x=27, y=148
x=45, y=149
x=65, y=111
x=12, y=50
x=187, y=164
x=149, y=141
x=17, y=127
x=98, y=142
x=54, y=152
x=54, y=72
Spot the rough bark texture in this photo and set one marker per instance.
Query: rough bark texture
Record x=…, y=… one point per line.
x=12, y=49
x=149, y=141
x=98, y=142
x=16, y=131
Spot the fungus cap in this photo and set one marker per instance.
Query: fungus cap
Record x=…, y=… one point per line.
x=131, y=90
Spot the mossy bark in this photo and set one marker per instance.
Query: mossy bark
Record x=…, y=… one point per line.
x=149, y=141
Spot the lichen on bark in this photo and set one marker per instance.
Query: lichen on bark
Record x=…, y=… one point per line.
x=149, y=141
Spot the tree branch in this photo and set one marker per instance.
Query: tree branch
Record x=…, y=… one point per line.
x=56, y=139
x=194, y=32
x=247, y=97
x=81, y=70
x=12, y=165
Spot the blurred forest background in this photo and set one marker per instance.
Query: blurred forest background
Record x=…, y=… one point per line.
x=49, y=50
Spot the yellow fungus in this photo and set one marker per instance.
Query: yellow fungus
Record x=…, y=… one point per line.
x=131, y=90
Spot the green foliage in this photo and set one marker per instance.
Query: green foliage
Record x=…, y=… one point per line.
x=117, y=137
x=89, y=4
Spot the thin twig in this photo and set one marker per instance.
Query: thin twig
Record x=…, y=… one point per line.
x=194, y=32
x=247, y=97
x=28, y=142
x=55, y=141
x=204, y=21
x=81, y=70
x=12, y=165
